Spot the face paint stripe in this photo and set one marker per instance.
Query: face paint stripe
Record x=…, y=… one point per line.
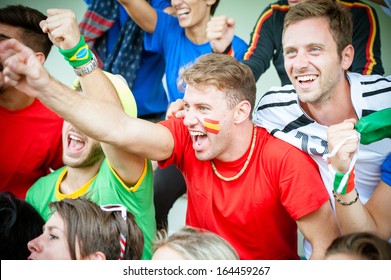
x=211, y=130
x=212, y=126
x=211, y=121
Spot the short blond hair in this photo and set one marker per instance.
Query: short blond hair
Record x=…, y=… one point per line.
x=197, y=244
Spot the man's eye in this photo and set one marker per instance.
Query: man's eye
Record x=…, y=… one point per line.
x=290, y=53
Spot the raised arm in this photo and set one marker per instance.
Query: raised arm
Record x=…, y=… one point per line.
x=142, y=13
x=220, y=32
x=375, y=215
x=96, y=112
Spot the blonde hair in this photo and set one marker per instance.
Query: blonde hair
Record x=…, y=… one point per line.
x=197, y=244
x=225, y=73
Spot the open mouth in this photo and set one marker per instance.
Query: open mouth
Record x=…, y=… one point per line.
x=199, y=139
x=182, y=12
x=75, y=144
x=306, y=79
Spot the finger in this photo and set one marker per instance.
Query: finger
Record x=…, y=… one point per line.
x=180, y=114
x=10, y=76
x=12, y=46
x=231, y=22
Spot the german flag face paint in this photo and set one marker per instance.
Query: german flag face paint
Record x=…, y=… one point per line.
x=212, y=126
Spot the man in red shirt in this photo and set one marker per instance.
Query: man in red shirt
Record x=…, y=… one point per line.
x=30, y=132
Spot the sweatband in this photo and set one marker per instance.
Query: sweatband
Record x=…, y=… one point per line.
x=342, y=183
x=78, y=55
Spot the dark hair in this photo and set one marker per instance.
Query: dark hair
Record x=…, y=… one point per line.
x=214, y=7
x=338, y=17
x=27, y=19
x=364, y=245
x=19, y=223
x=93, y=229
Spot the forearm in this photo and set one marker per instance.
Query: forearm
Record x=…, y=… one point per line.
x=84, y=109
x=142, y=13
x=320, y=228
x=374, y=216
x=354, y=217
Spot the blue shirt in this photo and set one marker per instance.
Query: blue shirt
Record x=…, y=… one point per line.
x=178, y=50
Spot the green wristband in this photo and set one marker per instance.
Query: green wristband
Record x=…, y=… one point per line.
x=78, y=55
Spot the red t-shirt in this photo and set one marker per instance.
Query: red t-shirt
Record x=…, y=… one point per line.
x=256, y=213
x=30, y=145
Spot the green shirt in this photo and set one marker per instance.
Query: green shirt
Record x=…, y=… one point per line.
x=105, y=188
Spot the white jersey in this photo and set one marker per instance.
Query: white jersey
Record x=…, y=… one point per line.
x=280, y=113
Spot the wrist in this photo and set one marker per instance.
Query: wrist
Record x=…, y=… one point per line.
x=228, y=50
x=343, y=183
x=346, y=199
x=79, y=55
x=87, y=68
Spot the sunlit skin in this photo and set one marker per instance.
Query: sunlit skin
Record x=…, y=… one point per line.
x=295, y=2
x=79, y=150
x=209, y=145
x=343, y=256
x=193, y=15
x=6, y=31
x=11, y=98
x=52, y=243
x=312, y=61
x=166, y=253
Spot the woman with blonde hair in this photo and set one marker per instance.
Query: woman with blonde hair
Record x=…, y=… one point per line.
x=191, y=243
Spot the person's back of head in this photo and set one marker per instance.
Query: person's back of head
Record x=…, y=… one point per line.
x=27, y=19
x=108, y=229
x=194, y=244
x=339, y=18
x=359, y=246
x=19, y=223
x=225, y=73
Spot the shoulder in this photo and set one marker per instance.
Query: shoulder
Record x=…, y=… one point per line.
x=277, y=97
x=281, y=151
x=45, y=181
x=46, y=113
x=370, y=85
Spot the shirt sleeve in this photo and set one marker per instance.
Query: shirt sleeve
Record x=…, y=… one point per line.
x=366, y=40
x=260, y=50
x=386, y=171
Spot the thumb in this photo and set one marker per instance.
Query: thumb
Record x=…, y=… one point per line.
x=231, y=22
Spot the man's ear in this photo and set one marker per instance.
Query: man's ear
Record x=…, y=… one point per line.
x=242, y=111
x=347, y=57
x=210, y=2
x=41, y=57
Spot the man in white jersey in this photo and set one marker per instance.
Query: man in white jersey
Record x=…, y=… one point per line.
x=317, y=48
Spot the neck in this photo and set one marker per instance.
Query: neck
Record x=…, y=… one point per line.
x=337, y=108
x=77, y=177
x=197, y=33
x=13, y=99
x=242, y=137
x=246, y=163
